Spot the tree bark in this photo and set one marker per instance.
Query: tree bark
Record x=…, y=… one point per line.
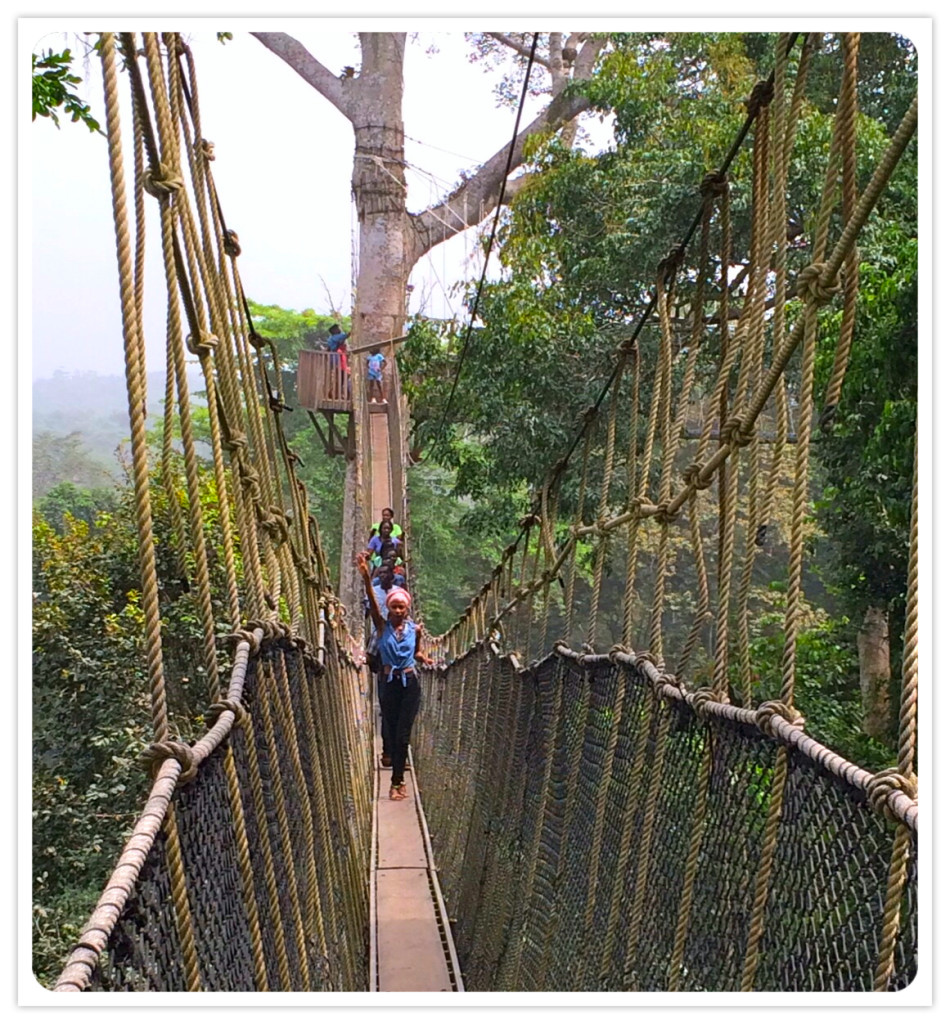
x=874, y=662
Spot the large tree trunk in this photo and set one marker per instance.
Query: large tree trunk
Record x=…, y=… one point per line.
x=379, y=191
x=874, y=663
x=390, y=239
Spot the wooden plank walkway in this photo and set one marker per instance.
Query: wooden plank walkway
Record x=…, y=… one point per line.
x=411, y=948
x=380, y=480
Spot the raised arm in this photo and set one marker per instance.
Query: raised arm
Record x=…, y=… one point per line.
x=379, y=620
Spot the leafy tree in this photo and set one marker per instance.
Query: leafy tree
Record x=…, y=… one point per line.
x=52, y=89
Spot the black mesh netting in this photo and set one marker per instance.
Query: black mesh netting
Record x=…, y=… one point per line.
x=302, y=843
x=563, y=807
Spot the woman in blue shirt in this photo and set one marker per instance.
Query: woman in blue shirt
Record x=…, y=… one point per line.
x=399, y=690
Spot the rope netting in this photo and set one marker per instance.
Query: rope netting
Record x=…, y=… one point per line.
x=248, y=868
x=651, y=819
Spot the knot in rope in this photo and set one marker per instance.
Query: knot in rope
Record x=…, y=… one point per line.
x=232, y=247
x=156, y=754
x=204, y=345
x=760, y=533
x=885, y=782
x=274, y=521
x=615, y=650
x=274, y=401
x=670, y=263
x=636, y=503
x=733, y=435
x=811, y=287
x=714, y=184
x=255, y=339
x=162, y=181
x=531, y=519
x=205, y=148
x=665, y=679
x=219, y=707
x=761, y=96
x=642, y=658
x=600, y=526
x=703, y=696
x=694, y=477
x=764, y=713
x=247, y=635
x=236, y=440
x=252, y=481
x=663, y=513
x=587, y=648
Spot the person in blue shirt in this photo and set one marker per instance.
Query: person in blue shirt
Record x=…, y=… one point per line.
x=399, y=689
x=375, y=362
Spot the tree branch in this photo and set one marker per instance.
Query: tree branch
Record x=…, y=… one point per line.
x=474, y=198
x=515, y=44
x=311, y=70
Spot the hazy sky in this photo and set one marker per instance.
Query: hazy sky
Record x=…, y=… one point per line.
x=282, y=168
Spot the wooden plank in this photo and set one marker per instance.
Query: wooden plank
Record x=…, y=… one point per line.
x=409, y=945
x=398, y=833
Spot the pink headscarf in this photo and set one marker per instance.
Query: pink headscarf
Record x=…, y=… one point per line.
x=403, y=595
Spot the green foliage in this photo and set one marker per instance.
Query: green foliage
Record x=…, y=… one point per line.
x=826, y=685
x=867, y=459
x=449, y=561
x=91, y=706
x=52, y=82
x=82, y=503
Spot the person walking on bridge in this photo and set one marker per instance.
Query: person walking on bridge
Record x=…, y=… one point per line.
x=398, y=643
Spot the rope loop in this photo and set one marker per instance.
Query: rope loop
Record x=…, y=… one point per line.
x=695, y=478
x=245, y=634
x=205, y=148
x=760, y=97
x=665, y=679
x=703, y=696
x=236, y=708
x=664, y=515
x=206, y=343
x=255, y=339
x=156, y=754
x=232, y=248
x=162, y=181
x=714, y=184
x=734, y=436
x=885, y=782
x=617, y=649
x=670, y=263
x=764, y=713
x=236, y=440
x=531, y=519
x=811, y=287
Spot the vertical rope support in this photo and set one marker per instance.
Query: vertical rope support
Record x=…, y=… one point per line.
x=849, y=198
x=633, y=527
x=907, y=746
x=133, y=345
x=578, y=519
x=761, y=246
x=603, y=538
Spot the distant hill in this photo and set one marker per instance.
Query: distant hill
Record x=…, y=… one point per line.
x=87, y=414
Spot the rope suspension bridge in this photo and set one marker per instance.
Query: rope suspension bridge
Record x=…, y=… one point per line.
x=595, y=818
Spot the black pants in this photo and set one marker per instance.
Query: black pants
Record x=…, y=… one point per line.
x=399, y=705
